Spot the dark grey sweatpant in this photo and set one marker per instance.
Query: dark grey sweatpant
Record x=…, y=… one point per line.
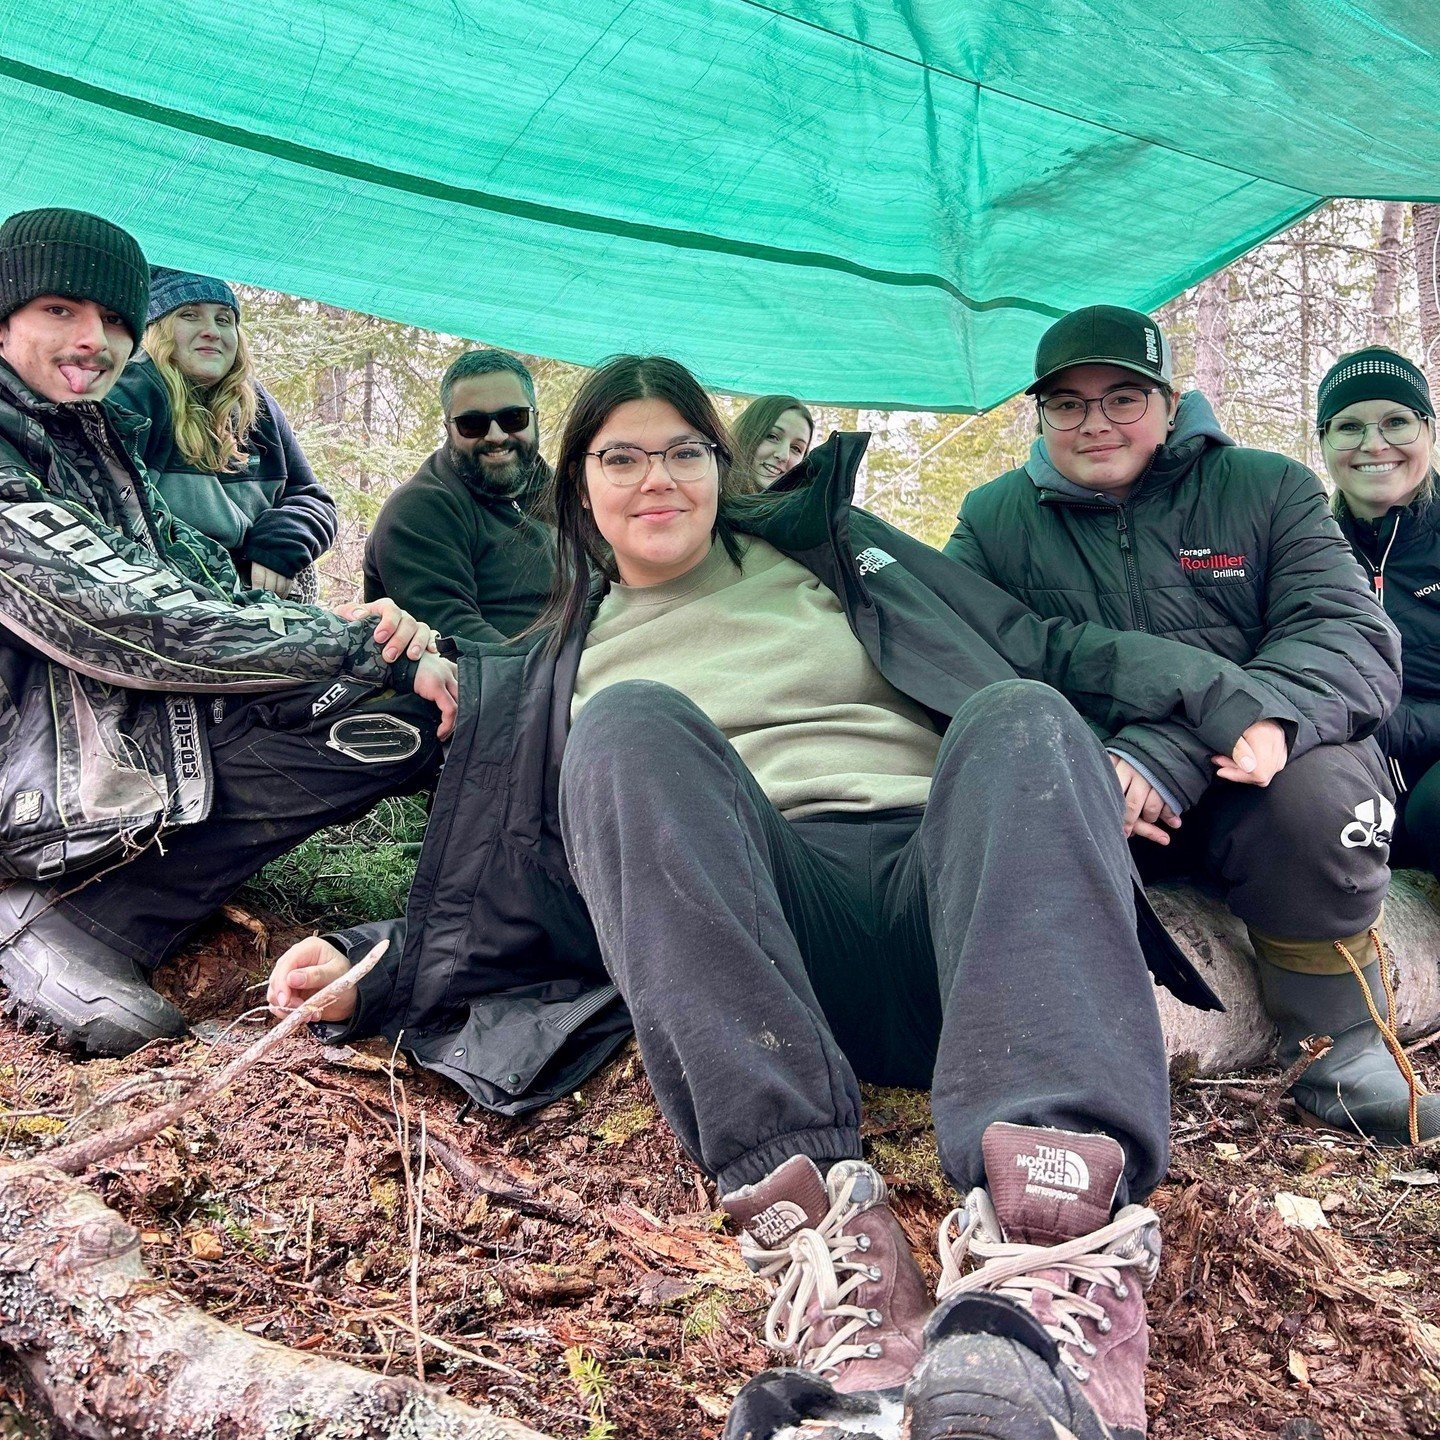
x=1302, y=858
x=987, y=942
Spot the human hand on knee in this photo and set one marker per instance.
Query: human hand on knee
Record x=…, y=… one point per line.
x=398, y=632
x=1259, y=755
x=1146, y=813
x=304, y=970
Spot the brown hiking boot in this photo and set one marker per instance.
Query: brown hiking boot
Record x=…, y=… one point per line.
x=1040, y=1241
x=851, y=1303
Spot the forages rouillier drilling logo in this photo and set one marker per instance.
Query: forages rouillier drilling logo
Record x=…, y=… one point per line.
x=1217, y=564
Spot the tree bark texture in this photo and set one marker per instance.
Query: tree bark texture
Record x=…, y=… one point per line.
x=1386, y=294
x=1212, y=339
x=1426, y=240
x=113, y=1355
x=1216, y=943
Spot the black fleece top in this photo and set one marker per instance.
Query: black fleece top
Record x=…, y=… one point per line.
x=475, y=565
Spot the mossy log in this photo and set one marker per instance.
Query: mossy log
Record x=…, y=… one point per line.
x=1216, y=942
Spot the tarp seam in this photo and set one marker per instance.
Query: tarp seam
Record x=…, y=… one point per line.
x=387, y=178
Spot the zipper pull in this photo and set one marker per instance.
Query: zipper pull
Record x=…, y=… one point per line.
x=1124, y=533
x=1380, y=584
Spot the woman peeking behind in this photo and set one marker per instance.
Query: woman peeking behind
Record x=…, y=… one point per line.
x=218, y=446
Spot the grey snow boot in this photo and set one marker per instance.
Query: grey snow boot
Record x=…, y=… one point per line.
x=97, y=999
x=1361, y=1084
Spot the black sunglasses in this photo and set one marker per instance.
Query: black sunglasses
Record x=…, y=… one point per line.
x=473, y=424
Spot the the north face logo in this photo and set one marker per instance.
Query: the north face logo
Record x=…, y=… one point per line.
x=1054, y=1167
x=872, y=560
x=775, y=1224
x=1374, y=823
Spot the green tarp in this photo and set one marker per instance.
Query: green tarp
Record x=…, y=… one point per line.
x=874, y=203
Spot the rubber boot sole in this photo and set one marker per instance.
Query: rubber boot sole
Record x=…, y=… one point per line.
x=991, y=1372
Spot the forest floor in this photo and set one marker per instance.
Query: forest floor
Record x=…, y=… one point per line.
x=571, y=1269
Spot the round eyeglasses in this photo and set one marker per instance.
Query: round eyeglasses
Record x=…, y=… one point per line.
x=1400, y=428
x=1121, y=407
x=684, y=461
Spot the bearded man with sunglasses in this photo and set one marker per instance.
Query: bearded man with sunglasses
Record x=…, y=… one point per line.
x=1136, y=512
x=458, y=540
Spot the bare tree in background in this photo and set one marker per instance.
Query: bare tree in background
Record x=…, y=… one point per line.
x=1212, y=339
x=1384, y=329
x=1427, y=278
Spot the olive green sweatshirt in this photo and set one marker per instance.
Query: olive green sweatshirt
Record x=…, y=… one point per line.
x=766, y=652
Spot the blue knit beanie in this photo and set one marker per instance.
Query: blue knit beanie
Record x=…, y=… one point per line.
x=170, y=289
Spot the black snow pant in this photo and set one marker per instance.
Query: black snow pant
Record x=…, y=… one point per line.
x=1303, y=858
x=285, y=765
x=984, y=946
x=1417, y=835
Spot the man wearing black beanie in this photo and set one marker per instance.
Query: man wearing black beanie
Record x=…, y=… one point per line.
x=164, y=732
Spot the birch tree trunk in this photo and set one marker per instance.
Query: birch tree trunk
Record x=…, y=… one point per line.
x=1426, y=241
x=1383, y=305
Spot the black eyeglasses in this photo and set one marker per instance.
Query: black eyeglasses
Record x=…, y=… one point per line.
x=475, y=424
x=685, y=461
x=1123, y=406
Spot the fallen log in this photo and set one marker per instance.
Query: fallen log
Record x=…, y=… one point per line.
x=111, y=1354
x=1216, y=943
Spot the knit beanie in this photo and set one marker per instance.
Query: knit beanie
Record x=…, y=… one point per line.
x=71, y=253
x=170, y=289
x=1375, y=373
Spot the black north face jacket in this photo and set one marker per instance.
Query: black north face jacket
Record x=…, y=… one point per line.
x=1401, y=554
x=1228, y=550
x=495, y=976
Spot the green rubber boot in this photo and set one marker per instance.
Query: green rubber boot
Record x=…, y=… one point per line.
x=1358, y=1085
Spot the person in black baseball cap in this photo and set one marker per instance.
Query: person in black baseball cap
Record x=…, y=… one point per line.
x=73, y=294
x=1376, y=422
x=1136, y=511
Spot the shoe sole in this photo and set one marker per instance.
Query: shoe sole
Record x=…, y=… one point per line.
x=38, y=1006
x=981, y=1387
x=1311, y=1121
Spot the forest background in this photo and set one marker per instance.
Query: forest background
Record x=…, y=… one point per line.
x=363, y=395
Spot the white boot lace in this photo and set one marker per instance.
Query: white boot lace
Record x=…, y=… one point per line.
x=818, y=1265
x=1019, y=1272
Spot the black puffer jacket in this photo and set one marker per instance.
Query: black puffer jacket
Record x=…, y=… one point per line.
x=496, y=978
x=273, y=513
x=1233, y=551
x=115, y=620
x=1401, y=554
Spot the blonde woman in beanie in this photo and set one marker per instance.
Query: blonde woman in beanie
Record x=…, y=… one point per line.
x=1377, y=430
x=218, y=447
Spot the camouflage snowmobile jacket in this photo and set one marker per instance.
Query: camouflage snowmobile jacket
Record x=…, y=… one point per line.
x=120, y=628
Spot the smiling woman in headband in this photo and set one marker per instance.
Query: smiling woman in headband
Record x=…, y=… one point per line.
x=1377, y=431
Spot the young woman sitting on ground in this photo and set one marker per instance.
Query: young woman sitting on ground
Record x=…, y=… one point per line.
x=218, y=447
x=831, y=821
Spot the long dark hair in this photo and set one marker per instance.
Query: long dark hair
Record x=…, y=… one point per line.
x=581, y=550
x=755, y=423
